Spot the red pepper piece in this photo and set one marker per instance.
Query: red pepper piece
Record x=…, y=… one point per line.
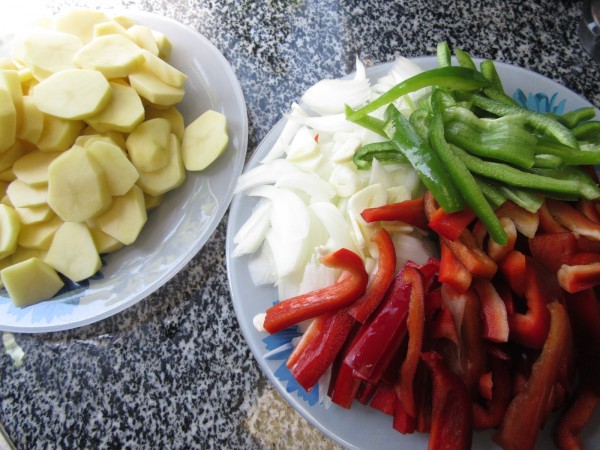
x=383, y=334
x=588, y=209
x=362, y=308
x=345, y=388
x=326, y=335
x=486, y=385
x=526, y=222
x=384, y=399
x=495, y=318
x=512, y=267
x=574, y=419
x=451, y=225
x=496, y=251
x=526, y=412
x=429, y=270
x=332, y=298
x=584, y=313
x=548, y=224
x=403, y=422
x=583, y=258
x=553, y=249
x=416, y=329
x=408, y=211
x=452, y=271
x=443, y=327
x=587, y=245
x=578, y=278
x=472, y=351
x=433, y=302
x=451, y=416
x=572, y=219
x=471, y=255
x=490, y=415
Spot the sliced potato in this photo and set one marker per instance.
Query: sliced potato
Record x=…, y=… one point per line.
x=165, y=47
x=34, y=214
x=80, y=22
x=8, y=120
x=156, y=91
x=39, y=235
x=120, y=173
x=8, y=157
x=72, y=94
x=153, y=201
x=77, y=186
x=58, y=134
x=123, y=112
x=163, y=70
x=24, y=195
x=108, y=28
x=125, y=218
x=172, y=114
x=10, y=226
x=32, y=168
x=23, y=254
x=148, y=145
x=204, y=140
x=32, y=121
x=48, y=52
x=104, y=243
x=9, y=80
x=113, y=55
x=73, y=252
x=169, y=177
x=30, y=282
x=143, y=37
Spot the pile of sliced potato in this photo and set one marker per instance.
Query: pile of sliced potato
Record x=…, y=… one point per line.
x=90, y=140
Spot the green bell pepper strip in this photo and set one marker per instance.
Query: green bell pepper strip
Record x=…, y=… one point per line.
x=573, y=118
x=540, y=122
x=451, y=77
x=529, y=201
x=588, y=131
x=460, y=174
x=429, y=168
x=489, y=72
x=586, y=155
x=384, y=152
x=515, y=177
x=369, y=122
x=588, y=188
x=444, y=55
x=547, y=160
x=490, y=192
x=464, y=59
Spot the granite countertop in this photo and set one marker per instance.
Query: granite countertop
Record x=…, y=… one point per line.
x=174, y=371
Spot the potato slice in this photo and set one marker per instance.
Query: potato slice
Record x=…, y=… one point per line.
x=77, y=186
x=49, y=52
x=108, y=28
x=58, y=134
x=163, y=70
x=104, y=242
x=34, y=214
x=39, y=235
x=8, y=157
x=148, y=145
x=204, y=140
x=9, y=80
x=169, y=177
x=120, y=173
x=32, y=121
x=125, y=21
x=123, y=112
x=8, y=120
x=80, y=22
x=113, y=55
x=165, y=47
x=72, y=94
x=22, y=254
x=143, y=37
x=32, y=168
x=10, y=226
x=172, y=114
x=156, y=91
x=153, y=201
x=73, y=252
x=23, y=195
x=125, y=218
x=30, y=282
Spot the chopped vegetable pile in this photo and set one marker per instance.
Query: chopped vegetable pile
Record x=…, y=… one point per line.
x=497, y=329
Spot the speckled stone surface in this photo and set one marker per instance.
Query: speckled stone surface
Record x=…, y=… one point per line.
x=174, y=371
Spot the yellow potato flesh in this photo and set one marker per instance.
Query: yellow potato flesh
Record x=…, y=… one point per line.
x=163, y=70
x=148, y=145
x=34, y=214
x=13, y=154
x=49, y=52
x=143, y=37
x=10, y=226
x=58, y=134
x=30, y=282
x=169, y=177
x=125, y=217
x=120, y=173
x=112, y=55
x=32, y=121
x=104, y=242
x=123, y=112
x=72, y=94
x=156, y=91
x=23, y=195
x=172, y=114
x=73, y=252
x=32, y=168
x=39, y=235
x=204, y=140
x=79, y=22
x=77, y=186
x=8, y=120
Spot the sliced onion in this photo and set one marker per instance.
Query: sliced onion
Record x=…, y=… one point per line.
x=335, y=224
x=313, y=185
x=252, y=234
x=267, y=173
x=289, y=130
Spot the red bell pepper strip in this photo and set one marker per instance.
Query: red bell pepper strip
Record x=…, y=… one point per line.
x=548, y=224
x=345, y=387
x=486, y=385
x=326, y=336
x=583, y=258
x=472, y=351
x=384, y=399
x=452, y=271
x=496, y=251
x=416, y=330
x=531, y=328
x=451, y=225
x=526, y=222
x=587, y=245
x=332, y=298
x=572, y=219
x=383, y=334
x=553, y=249
x=567, y=432
x=403, y=422
x=495, y=318
x=362, y=308
x=408, y=211
x=471, y=255
x=527, y=410
x=442, y=326
x=490, y=415
x=580, y=277
x=513, y=267
x=588, y=209
x=452, y=414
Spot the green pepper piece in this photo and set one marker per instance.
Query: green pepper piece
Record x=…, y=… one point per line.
x=515, y=177
x=588, y=188
x=425, y=162
x=491, y=192
x=588, y=131
x=586, y=155
x=526, y=199
x=453, y=77
x=538, y=121
x=369, y=122
x=546, y=160
x=384, y=152
x=573, y=118
x=444, y=56
x=489, y=72
x=464, y=59
x=460, y=174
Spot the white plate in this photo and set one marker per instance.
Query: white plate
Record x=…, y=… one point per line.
x=362, y=427
x=182, y=224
